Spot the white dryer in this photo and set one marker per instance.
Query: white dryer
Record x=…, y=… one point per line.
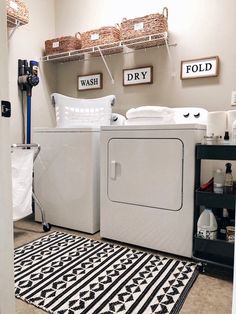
x=66, y=178
x=147, y=185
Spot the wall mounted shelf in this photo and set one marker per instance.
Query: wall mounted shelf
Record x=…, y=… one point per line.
x=155, y=40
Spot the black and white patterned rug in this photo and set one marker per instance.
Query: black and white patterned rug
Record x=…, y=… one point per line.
x=62, y=273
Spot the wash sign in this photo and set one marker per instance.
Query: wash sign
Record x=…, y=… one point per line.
x=137, y=76
x=198, y=68
x=92, y=81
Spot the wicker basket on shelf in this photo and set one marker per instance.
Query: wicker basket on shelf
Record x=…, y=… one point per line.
x=102, y=36
x=62, y=44
x=145, y=25
x=17, y=9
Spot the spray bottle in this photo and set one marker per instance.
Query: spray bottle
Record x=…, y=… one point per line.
x=228, y=184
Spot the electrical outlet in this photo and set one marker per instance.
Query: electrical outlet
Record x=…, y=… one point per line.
x=233, y=98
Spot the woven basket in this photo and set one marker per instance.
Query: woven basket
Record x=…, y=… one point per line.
x=17, y=10
x=62, y=44
x=101, y=36
x=145, y=25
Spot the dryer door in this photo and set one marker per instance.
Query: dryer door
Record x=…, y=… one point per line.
x=146, y=172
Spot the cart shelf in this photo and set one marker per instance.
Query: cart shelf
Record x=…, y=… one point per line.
x=218, y=252
x=214, y=200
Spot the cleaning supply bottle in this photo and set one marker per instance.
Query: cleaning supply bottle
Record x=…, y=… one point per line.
x=228, y=184
x=218, y=181
x=223, y=223
x=207, y=225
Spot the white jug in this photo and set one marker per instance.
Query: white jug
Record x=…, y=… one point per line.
x=207, y=225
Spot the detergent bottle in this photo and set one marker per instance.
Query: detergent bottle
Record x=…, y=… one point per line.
x=207, y=225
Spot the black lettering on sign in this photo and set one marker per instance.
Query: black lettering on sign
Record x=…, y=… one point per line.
x=144, y=74
x=188, y=68
x=136, y=76
x=90, y=82
x=208, y=66
x=194, y=68
x=201, y=68
x=130, y=76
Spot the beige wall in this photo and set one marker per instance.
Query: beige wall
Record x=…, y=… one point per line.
x=200, y=28
x=27, y=42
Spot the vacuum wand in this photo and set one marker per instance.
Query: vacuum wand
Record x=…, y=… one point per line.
x=27, y=79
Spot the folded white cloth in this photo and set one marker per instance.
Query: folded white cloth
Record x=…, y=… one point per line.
x=150, y=121
x=149, y=112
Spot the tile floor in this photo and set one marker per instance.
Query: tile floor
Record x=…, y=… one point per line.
x=210, y=294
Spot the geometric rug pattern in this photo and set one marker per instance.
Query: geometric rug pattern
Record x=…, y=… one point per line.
x=66, y=274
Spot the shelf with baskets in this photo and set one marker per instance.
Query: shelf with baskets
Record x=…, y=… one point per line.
x=125, y=46
x=207, y=251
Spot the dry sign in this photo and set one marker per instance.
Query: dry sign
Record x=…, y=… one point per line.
x=137, y=76
x=205, y=67
x=91, y=81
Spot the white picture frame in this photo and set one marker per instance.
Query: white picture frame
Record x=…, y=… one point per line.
x=89, y=81
x=137, y=76
x=199, y=68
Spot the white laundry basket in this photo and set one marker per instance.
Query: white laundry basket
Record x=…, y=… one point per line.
x=75, y=112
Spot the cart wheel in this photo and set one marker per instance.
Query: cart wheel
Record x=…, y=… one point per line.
x=202, y=267
x=46, y=227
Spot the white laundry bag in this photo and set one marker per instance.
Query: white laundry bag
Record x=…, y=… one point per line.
x=22, y=169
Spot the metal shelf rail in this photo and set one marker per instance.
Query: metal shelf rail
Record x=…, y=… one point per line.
x=155, y=40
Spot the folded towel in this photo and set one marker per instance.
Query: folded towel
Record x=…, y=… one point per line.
x=151, y=121
x=149, y=112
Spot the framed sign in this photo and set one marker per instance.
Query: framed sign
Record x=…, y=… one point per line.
x=205, y=67
x=90, y=81
x=136, y=76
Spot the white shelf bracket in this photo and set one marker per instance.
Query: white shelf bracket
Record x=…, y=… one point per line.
x=106, y=65
x=173, y=74
x=14, y=29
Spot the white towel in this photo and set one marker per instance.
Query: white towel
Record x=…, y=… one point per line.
x=149, y=112
x=150, y=121
x=22, y=168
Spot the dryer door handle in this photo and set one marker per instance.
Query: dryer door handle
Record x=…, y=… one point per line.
x=113, y=170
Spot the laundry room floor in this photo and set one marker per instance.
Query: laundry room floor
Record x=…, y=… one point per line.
x=210, y=294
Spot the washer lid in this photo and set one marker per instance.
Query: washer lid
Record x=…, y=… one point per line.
x=185, y=126
x=146, y=172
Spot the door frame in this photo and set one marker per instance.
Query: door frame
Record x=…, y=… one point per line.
x=7, y=299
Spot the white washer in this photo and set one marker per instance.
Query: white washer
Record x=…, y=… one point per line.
x=66, y=177
x=147, y=185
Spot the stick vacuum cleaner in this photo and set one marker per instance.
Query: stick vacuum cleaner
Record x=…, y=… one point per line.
x=27, y=79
